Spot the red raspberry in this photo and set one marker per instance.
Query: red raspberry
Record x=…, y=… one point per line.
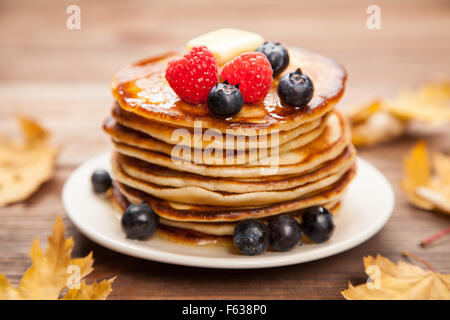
x=253, y=72
x=193, y=75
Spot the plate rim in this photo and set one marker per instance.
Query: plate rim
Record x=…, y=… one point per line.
x=148, y=253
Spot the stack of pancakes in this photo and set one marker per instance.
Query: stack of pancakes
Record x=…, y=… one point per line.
x=202, y=174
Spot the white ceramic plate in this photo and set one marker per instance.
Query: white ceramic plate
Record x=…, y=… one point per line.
x=366, y=207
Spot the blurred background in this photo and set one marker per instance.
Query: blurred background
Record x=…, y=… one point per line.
x=49, y=70
x=61, y=77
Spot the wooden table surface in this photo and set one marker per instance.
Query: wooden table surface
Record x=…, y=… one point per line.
x=61, y=77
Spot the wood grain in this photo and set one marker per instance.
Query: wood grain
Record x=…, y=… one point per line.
x=61, y=77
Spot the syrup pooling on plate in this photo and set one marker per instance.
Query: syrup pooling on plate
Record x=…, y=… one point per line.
x=142, y=89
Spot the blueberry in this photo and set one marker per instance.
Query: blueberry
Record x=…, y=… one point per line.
x=139, y=221
x=295, y=89
x=317, y=224
x=101, y=181
x=251, y=237
x=277, y=55
x=285, y=233
x=225, y=100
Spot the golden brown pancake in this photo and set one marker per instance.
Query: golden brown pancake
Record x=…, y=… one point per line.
x=227, y=228
x=201, y=196
x=191, y=237
x=167, y=177
x=202, y=213
x=333, y=140
x=218, y=229
x=228, y=141
x=142, y=89
x=213, y=155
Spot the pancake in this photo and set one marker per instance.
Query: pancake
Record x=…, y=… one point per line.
x=166, y=177
x=201, y=213
x=218, y=229
x=214, y=156
x=226, y=229
x=191, y=237
x=142, y=89
x=333, y=140
x=227, y=141
x=197, y=195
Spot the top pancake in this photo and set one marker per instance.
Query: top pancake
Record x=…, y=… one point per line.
x=141, y=88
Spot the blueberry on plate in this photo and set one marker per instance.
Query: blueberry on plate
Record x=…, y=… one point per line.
x=251, y=237
x=317, y=224
x=101, y=181
x=285, y=233
x=225, y=100
x=139, y=221
x=277, y=55
x=295, y=89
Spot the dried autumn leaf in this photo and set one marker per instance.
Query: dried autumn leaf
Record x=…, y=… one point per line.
x=441, y=164
x=424, y=190
x=371, y=125
x=32, y=131
x=379, y=128
x=417, y=173
x=95, y=291
x=377, y=121
x=402, y=281
x=430, y=104
x=25, y=165
x=438, y=196
x=359, y=113
x=52, y=272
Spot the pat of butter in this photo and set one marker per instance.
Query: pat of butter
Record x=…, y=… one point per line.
x=227, y=43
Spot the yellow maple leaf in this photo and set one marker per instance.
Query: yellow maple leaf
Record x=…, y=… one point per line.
x=25, y=165
x=382, y=120
x=371, y=124
x=424, y=190
x=32, y=131
x=94, y=291
x=54, y=271
x=431, y=104
x=441, y=165
x=402, y=281
x=359, y=113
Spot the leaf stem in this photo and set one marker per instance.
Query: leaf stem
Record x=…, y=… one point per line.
x=412, y=255
x=435, y=237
